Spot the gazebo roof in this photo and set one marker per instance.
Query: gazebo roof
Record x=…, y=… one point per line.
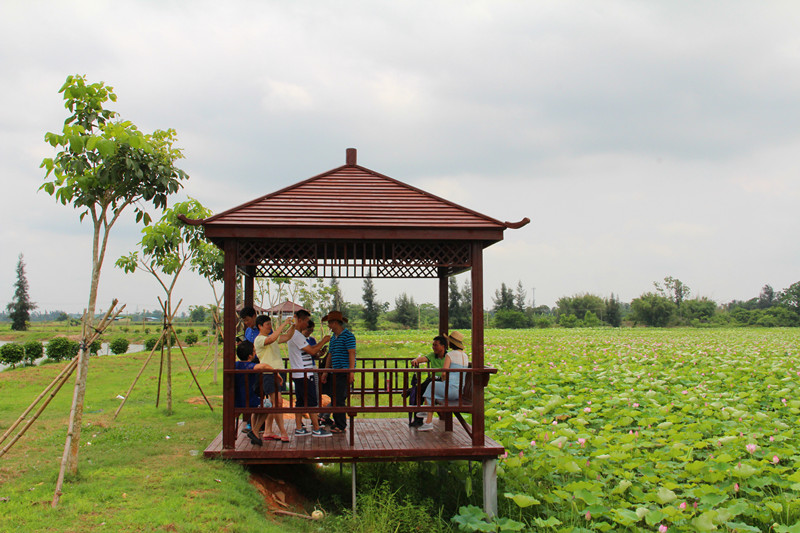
x=354, y=201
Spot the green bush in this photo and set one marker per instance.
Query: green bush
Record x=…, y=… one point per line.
x=95, y=347
x=12, y=353
x=178, y=330
x=74, y=348
x=150, y=343
x=119, y=345
x=58, y=348
x=511, y=318
x=190, y=339
x=568, y=321
x=33, y=351
x=543, y=322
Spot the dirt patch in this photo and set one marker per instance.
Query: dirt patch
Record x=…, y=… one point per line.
x=278, y=494
x=198, y=400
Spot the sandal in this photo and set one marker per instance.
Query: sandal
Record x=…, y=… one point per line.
x=284, y=439
x=271, y=436
x=336, y=430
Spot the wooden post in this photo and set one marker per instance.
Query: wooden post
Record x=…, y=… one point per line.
x=477, y=344
x=490, y=487
x=249, y=286
x=444, y=302
x=229, y=345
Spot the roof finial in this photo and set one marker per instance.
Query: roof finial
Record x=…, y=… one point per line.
x=350, y=158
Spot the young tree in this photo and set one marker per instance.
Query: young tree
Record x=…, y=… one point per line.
x=790, y=297
x=167, y=246
x=503, y=299
x=104, y=165
x=337, y=301
x=613, y=316
x=372, y=307
x=19, y=310
x=519, y=297
x=406, y=311
x=674, y=289
x=767, y=298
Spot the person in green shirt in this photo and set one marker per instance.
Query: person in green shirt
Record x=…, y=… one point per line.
x=434, y=360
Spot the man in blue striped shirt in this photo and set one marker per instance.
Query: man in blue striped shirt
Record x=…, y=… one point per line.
x=342, y=350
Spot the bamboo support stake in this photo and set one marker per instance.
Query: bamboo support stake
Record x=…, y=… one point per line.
x=153, y=351
x=193, y=376
x=74, y=430
x=136, y=379
x=38, y=412
x=69, y=368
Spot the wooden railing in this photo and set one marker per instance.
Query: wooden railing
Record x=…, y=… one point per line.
x=378, y=387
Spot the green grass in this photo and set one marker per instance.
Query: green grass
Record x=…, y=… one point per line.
x=143, y=471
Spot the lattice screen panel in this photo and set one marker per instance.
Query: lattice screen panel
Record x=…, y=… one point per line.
x=354, y=259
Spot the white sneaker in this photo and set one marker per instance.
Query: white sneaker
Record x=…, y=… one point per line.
x=425, y=427
x=321, y=432
x=302, y=432
x=422, y=415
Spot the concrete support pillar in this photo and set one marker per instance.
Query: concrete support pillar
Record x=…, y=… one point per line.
x=490, y=487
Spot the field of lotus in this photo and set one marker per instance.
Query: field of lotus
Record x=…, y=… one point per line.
x=654, y=430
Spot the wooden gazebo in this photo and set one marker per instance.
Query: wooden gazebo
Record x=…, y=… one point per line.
x=352, y=222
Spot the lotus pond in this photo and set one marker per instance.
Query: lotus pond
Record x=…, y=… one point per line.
x=672, y=430
x=645, y=429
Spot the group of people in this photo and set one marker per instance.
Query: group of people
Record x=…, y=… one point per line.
x=259, y=350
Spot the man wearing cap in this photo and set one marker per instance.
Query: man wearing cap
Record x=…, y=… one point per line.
x=342, y=350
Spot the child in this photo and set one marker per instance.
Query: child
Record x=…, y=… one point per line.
x=246, y=395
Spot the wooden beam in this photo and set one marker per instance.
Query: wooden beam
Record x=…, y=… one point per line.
x=477, y=344
x=229, y=428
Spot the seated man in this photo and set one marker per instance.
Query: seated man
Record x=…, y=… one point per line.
x=434, y=360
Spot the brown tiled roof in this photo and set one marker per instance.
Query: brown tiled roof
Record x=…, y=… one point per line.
x=352, y=196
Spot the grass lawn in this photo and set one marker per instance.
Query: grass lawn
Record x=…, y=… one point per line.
x=142, y=471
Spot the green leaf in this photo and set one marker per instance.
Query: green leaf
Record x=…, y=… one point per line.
x=550, y=522
x=522, y=500
x=705, y=522
x=665, y=495
x=506, y=524
x=775, y=507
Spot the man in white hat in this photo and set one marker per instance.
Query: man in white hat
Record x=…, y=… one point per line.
x=342, y=355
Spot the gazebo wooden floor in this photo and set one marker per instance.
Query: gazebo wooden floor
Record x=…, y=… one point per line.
x=376, y=439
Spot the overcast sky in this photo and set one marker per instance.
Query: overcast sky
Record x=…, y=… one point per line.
x=643, y=139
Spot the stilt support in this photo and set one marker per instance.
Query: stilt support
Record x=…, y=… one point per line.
x=490, y=487
x=353, y=471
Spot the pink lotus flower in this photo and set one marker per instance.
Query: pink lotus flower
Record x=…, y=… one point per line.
x=533, y=443
x=521, y=455
x=683, y=505
x=582, y=442
x=662, y=528
x=775, y=459
x=588, y=515
x=735, y=487
x=587, y=409
x=751, y=448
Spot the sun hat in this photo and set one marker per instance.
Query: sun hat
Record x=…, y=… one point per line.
x=456, y=338
x=334, y=315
